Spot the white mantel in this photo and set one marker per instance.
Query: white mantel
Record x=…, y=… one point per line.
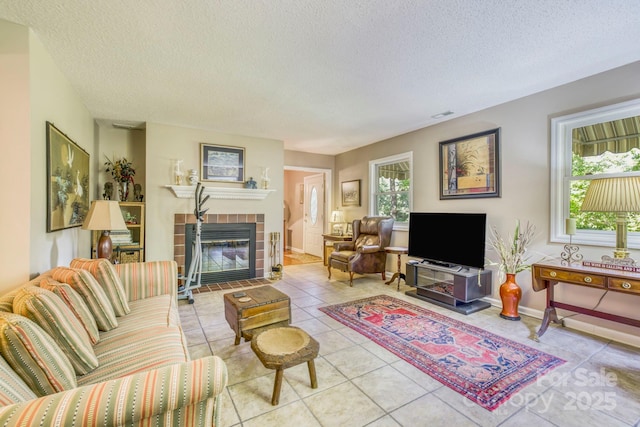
x=189, y=191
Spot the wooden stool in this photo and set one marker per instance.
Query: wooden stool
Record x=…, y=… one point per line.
x=283, y=347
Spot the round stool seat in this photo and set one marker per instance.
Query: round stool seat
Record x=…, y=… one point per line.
x=281, y=341
x=283, y=347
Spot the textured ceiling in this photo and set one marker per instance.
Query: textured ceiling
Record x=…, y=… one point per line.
x=324, y=76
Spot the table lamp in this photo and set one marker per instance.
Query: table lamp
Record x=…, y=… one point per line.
x=337, y=219
x=104, y=215
x=615, y=194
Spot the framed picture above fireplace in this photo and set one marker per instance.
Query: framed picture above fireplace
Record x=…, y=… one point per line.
x=221, y=163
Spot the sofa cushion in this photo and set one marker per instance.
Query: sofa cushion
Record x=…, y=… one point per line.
x=52, y=314
x=76, y=304
x=34, y=355
x=87, y=286
x=106, y=275
x=12, y=388
x=138, y=350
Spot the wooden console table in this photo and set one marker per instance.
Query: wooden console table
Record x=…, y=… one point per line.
x=547, y=275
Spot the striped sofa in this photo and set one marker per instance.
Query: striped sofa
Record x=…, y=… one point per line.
x=98, y=344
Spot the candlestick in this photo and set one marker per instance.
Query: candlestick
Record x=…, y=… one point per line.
x=570, y=226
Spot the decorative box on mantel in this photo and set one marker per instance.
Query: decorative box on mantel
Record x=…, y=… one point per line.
x=189, y=191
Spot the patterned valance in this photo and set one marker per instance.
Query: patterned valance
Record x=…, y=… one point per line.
x=617, y=136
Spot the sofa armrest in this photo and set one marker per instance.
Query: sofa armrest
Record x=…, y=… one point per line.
x=169, y=392
x=148, y=279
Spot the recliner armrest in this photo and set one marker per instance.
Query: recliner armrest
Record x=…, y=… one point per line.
x=370, y=249
x=343, y=246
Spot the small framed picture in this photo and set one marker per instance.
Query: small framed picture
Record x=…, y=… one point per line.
x=221, y=163
x=470, y=166
x=351, y=193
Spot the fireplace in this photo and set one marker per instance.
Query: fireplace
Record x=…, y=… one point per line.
x=181, y=222
x=228, y=251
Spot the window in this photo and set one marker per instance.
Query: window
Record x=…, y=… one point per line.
x=390, y=191
x=585, y=146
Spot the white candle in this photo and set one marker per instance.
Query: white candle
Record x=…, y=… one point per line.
x=570, y=226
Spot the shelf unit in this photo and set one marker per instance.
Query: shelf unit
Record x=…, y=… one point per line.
x=133, y=213
x=456, y=289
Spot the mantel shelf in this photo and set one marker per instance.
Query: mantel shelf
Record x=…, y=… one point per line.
x=188, y=192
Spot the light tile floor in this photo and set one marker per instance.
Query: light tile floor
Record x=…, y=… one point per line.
x=362, y=384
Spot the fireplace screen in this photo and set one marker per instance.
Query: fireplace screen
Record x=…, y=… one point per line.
x=228, y=251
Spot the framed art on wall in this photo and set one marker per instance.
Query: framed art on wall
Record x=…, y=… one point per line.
x=221, y=163
x=470, y=166
x=351, y=193
x=67, y=181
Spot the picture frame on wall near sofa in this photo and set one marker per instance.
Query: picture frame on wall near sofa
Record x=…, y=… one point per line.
x=67, y=181
x=470, y=166
x=351, y=193
x=221, y=163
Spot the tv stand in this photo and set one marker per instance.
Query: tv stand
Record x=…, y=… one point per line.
x=456, y=288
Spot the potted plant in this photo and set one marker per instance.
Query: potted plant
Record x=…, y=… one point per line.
x=513, y=258
x=122, y=172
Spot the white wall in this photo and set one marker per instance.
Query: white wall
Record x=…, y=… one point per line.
x=167, y=143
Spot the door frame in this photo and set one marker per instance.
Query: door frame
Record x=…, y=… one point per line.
x=328, y=191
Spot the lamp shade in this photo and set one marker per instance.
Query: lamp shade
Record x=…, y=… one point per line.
x=104, y=215
x=337, y=216
x=619, y=194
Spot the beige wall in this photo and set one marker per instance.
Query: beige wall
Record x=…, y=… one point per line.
x=293, y=179
x=524, y=149
x=36, y=92
x=15, y=170
x=167, y=143
x=53, y=99
x=116, y=143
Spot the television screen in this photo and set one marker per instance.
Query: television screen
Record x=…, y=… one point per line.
x=452, y=239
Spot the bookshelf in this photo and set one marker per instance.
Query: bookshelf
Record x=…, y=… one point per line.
x=128, y=245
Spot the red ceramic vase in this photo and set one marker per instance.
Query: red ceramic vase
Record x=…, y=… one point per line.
x=510, y=294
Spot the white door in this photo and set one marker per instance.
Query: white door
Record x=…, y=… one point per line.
x=313, y=214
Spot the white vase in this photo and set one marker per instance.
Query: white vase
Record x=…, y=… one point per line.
x=193, y=177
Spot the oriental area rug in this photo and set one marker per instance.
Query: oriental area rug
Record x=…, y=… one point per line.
x=482, y=366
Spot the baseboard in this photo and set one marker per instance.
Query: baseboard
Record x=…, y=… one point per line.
x=580, y=325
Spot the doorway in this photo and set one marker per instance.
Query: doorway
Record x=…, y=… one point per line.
x=296, y=207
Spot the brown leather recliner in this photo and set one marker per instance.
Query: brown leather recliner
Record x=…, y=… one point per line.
x=365, y=253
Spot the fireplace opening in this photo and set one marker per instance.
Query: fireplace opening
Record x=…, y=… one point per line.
x=228, y=251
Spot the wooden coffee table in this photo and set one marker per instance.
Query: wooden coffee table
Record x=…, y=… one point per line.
x=267, y=307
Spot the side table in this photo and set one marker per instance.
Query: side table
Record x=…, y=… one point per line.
x=257, y=308
x=398, y=250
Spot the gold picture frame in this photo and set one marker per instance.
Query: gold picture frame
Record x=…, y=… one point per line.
x=67, y=181
x=470, y=166
x=351, y=193
x=221, y=163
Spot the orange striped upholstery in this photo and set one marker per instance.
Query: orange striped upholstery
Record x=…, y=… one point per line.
x=184, y=394
x=50, y=313
x=147, y=279
x=76, y=304
x=87, y=286
x=34, y=355
x=137, y=351
x=106, y=275
x=12, y=388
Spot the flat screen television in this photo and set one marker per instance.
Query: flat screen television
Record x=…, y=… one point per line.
x=449, y=239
